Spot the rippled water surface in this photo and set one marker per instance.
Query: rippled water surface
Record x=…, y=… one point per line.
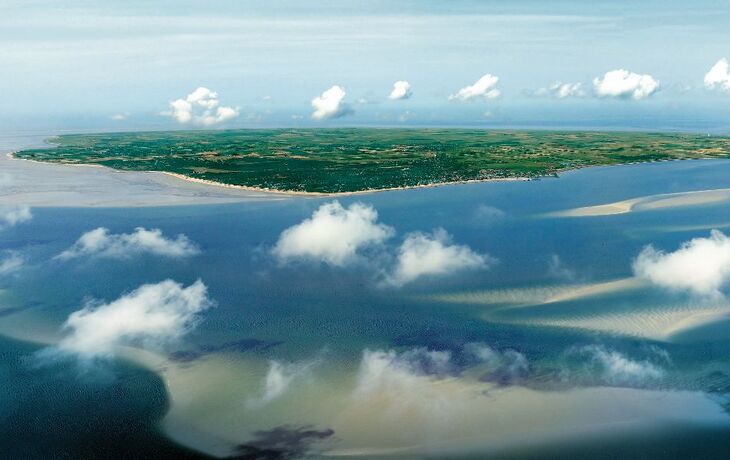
x=554, y=350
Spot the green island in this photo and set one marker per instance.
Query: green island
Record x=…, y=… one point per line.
x=358, y=159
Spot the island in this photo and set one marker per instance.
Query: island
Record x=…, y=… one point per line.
x=347, y=160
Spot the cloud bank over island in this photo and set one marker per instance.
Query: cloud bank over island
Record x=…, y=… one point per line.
x=562, y=90
x=625, y=84
x=718, y=77
x=484, y=88
x=401, y=90
x=151, y=316
x=331, y=104
x=202, y=108
x=101, y=243
x=700, y=266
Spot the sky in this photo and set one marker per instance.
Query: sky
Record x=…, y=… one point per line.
x=118, y=65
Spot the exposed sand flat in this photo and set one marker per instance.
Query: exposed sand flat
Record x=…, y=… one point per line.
x=523, y=297
x=57, y=185
x=596, y=289
x=407, y=414
x=400, y=412
x=456, y=416
x=658, y=323
x=619, y=207
x=516, y=296
x=648, y=203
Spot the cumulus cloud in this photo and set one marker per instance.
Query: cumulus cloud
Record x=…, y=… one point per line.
x=150, y=316
x=503, y=367
x=624, y=84
x=557, y=269
x=334, y=234
x=201, y=107
x=330, y=104
x=401, y=90
x=488, y=213
x=386, y=370
x=432, y=254
x=700, y=265
x=616, y=369
x=279, y=379
x=101, y=243
x=562, y=90
x=719, y=76
x=411, y=387
x=12, y=262
x=14, y=215
x=485, y=88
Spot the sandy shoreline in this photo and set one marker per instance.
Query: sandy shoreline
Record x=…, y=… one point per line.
x=44, y=184
x=11, y=156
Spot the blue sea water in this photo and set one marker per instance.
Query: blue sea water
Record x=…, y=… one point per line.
x=314, y=312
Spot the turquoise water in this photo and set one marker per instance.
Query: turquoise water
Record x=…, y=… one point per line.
x=556, y=400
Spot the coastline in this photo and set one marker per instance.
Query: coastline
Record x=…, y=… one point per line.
x=47, y=184
x=273, y=191
x=279, y=193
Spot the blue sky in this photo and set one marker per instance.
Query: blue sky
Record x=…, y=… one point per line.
x=77, y=66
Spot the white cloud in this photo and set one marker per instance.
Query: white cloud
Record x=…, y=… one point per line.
x=617, y=369
x=700, y=265
x=562, y=90
x=11, y=262
x=330, y=104
x=100, y=242
x=120, y=116
x=719, y=76
x=622, y=83
x=422, y=254
x=14, y=215
x=504, y=367
x=333, y=234
x=557, y=269
x=390, y=371
x=399, y=387
x=201, y=107
x=279, y=379
x=489, y=213
x=401, y=90
x=150, y=316
x=485, y=88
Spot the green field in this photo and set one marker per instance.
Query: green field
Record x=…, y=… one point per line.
x=354, y=159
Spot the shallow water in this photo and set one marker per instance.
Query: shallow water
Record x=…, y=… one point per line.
x=561, y=296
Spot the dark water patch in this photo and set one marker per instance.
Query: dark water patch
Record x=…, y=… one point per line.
x=282, y=443
x=676, y=442
x=237, y=346
x=53, y=413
